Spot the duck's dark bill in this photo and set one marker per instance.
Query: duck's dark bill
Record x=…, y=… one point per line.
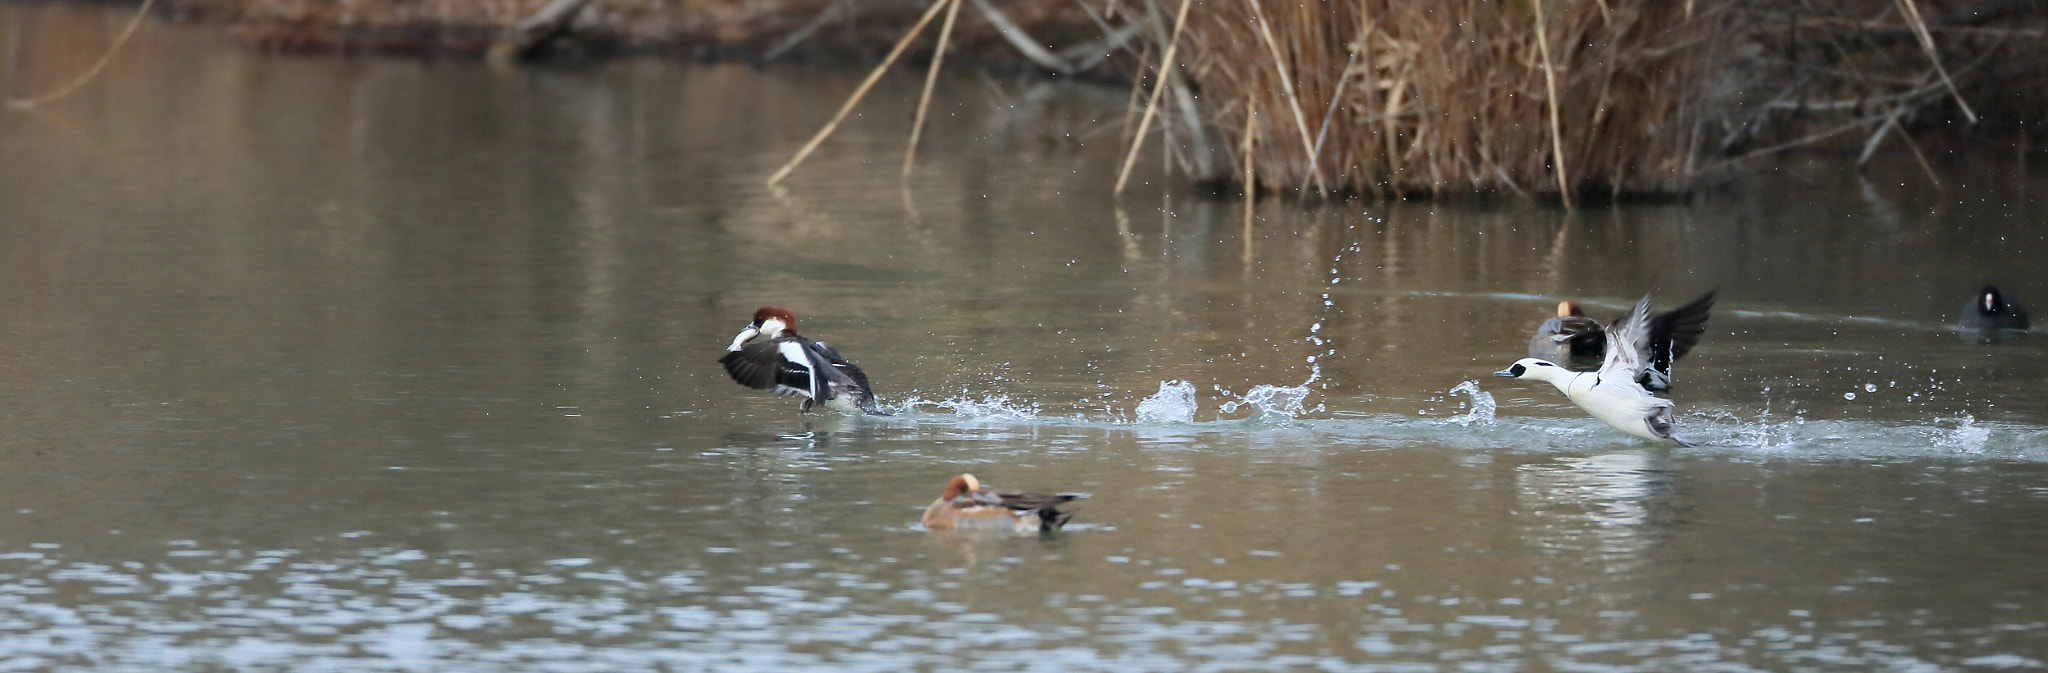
x=1514, y=372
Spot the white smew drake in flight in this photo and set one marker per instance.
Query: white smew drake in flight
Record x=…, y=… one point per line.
x=1613, y=393
x=1574, y=340
x=769, y=355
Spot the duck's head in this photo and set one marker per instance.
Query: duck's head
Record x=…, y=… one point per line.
x=962, y=484
x=1533, y=368
x=1989, y=301
x=1569, y=309
x=774, y=321
x=769, y=322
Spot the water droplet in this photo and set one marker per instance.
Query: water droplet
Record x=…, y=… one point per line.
x=1848, y=396
x=1869, y=387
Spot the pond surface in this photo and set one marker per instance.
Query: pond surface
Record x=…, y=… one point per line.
x=383, y=364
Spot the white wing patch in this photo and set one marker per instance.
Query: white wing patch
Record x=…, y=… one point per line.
x=1627, y=340
x=793, y=352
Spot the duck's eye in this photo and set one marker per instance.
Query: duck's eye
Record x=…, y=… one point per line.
x=1517, y=370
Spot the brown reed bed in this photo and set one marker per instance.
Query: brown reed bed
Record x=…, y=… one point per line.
x=746, y=29
x=1393, y=98
x=1576, y=98
x=1565, y=99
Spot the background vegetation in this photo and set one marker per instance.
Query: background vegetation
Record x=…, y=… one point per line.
x=1547, y=98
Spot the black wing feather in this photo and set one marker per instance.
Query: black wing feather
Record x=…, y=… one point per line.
x=1673, y=333
x=754, y=365
x=762, y=366
x=1050, y=518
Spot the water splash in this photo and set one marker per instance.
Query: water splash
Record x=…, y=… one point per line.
x=1174, y=403
x=1270, y=402
x=1482, y=406
x=1962, y=434
x=985, y=408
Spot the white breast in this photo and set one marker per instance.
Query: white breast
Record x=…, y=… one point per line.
x=1622, y=404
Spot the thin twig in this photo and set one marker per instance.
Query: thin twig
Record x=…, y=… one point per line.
x=1180, y=21
x=94, y=71
x=1556, y=133
x=854, y=99
x=1927, y=44
x=1891, y=121
x=931, y=80
x=1251, y=197
x=1137, y=87
x=797, y=36
x=1293, y=97
x=1197, y=147
x=1922, y=158
x=552, y=20
x=1023, y=41
x=1808, y=139
x=1085, y=56
x=1329, y=113
x=1250, y=177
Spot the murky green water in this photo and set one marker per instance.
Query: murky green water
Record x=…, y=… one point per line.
x=370, y=364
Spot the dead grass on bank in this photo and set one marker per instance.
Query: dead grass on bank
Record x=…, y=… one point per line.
x=1392, y=99
x=1382, y=98
x=1570, y=98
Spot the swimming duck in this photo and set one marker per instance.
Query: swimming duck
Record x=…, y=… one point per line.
x=967, y=504
x=769, y=355
x=1573, y=336
x=1613, y=393
x=1992, y=311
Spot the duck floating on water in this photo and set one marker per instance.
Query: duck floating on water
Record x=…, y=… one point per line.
x=1573, y=336
x=1992, y=311
x=1614, y=393
x=769, y=355
x=968, y=505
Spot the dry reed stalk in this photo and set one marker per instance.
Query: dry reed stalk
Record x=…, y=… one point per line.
x=1166, y=62
x=1292, y=98
x=1564, y=182
x=931, y=80
x=106, y=57
x=1926, y=40
x=1461, y=96
x=858, y=92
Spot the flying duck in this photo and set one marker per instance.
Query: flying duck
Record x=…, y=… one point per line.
x=968, y=505
x=1612, y=394
x=1572, y=336
x=769, y=355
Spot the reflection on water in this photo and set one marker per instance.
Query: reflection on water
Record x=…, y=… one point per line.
x=1596, y=506
x=343, y=364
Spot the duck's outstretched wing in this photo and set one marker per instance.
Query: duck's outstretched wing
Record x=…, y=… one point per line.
x=761, y=366
x=792, y=366
x=1673, y=333
x=1628, y=343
